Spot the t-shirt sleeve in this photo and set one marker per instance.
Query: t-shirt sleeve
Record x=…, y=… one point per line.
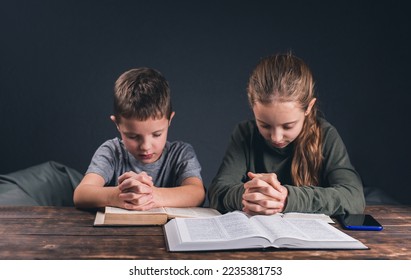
x=103, y=162
x=188, y=164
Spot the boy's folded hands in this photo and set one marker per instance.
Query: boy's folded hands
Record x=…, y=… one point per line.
x=136, y=191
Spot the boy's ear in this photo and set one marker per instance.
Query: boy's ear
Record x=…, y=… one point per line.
x=171, y=117
x=114, y=120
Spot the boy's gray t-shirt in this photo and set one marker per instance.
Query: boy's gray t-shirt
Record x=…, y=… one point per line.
x=177, y=162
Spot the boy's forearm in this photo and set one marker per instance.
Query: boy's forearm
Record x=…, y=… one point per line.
x=89, y=196
x=182, y=196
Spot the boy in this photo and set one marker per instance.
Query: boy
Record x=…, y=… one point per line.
x=143, y=169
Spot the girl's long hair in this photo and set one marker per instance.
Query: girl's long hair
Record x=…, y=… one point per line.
x=286, y=78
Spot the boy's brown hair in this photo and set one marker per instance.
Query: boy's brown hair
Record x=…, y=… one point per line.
x=142, y=93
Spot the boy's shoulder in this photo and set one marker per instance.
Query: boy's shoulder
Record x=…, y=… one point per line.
x=179, y=149
x=112, y=148
x=114, y=143
x=178, y=146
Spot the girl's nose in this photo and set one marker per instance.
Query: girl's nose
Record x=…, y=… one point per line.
x=276, y=136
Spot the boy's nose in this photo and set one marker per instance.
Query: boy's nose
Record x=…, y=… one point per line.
x=144, y=145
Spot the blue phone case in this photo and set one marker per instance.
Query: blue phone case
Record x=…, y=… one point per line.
x=362, y=227
x=359, y=222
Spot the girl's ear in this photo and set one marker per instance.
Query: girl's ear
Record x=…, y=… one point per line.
x=310, y=106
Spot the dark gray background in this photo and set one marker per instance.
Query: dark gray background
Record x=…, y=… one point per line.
x=59, y=61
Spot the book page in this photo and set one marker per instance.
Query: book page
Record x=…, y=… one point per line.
x=191, y=212
x=221, y=228
x=115, y=210
x=296, y=215
x=304, y=229
x=318, y=230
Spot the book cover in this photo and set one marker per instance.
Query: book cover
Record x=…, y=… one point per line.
x=113, y=216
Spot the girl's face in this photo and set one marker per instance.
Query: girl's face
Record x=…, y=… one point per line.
x=145, y=140
x=280, y=122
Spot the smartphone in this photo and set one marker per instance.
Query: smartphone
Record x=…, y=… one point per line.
x=359, y=222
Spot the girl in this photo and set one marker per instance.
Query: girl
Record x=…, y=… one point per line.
x=288, y=159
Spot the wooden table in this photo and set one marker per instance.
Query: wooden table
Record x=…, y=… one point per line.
x=68, y=233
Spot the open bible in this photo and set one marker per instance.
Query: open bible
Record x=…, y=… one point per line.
x=113, y=216
x=236, y=230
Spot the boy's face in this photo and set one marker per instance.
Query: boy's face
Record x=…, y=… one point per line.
x=145, y=140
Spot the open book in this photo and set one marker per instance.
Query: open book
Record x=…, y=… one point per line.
x=236, y=230
x=113, y=216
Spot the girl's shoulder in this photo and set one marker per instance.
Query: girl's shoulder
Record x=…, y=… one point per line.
x=329, y=132
x=246, y=127
x=326, y=126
